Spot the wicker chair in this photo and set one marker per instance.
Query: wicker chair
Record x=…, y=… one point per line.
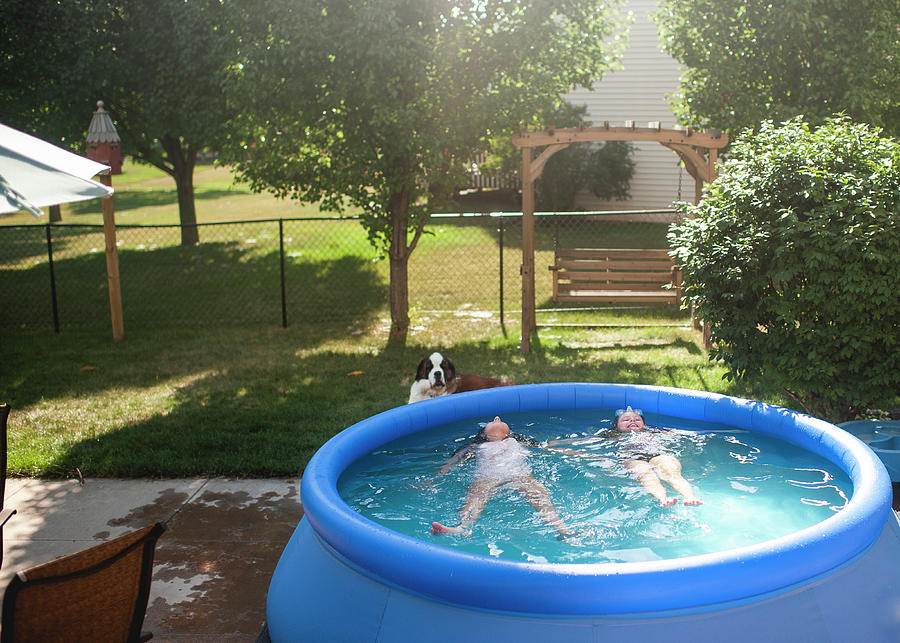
x=5, y=514
x=99, y=594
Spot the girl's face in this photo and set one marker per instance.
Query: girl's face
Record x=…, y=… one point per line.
x=630, y=421
x=496, y=430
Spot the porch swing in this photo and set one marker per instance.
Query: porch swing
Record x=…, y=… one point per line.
x=607, y=275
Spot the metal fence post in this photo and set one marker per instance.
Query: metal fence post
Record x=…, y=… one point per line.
x=281, y=253
x=332, y=261
x=501, y=270
x=53, y=302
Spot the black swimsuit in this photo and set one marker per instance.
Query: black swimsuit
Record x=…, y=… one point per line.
x=642, y=445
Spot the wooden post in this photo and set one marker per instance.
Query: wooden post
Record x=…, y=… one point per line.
x=712, y=173
x=112, y=263
x=528, y=316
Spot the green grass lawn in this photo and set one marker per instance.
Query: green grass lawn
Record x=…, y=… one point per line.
x=245, y=402
x=145, y=195
x=258, y=400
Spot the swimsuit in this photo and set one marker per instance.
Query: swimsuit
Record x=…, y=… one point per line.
x=644, y=445
x=502, y=461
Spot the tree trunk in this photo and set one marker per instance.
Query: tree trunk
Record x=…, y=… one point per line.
x=399, y=253
x=187, y=212
x=399, y=299
x=55, y=214
x=182, y=157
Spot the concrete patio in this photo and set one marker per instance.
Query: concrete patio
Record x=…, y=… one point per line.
x=213, y=564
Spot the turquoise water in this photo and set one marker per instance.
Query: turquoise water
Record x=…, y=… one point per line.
x=753, y=488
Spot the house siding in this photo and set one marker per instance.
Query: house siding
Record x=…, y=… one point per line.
x=637, y=92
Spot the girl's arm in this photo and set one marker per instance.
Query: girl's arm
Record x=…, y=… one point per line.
x=464, y=453
x=578, y=454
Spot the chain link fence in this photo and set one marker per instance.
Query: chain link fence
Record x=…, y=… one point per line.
x=290, y=271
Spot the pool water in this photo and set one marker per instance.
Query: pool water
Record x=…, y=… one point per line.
x=753, y=488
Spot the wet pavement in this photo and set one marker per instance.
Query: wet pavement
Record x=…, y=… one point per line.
x=212, y=566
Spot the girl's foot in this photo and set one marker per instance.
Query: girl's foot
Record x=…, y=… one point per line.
x=437, y=529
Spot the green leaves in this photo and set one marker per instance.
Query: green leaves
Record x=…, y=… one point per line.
x=400, y=95
x=793, y=258
x=383, y=105
x=751, y=60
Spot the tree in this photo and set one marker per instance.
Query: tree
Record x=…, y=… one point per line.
x=158, y=66
x=381, y=106
x=793, y=259
x=752, y=60
x=171, y=65
x=51, y=76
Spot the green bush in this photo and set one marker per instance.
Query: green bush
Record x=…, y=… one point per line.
x=793, y=259
x=605, y=169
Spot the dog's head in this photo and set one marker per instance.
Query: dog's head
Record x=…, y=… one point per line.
x=437, y=369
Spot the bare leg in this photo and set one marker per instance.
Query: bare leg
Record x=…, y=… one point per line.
x=669, y=469
x=649, y=481
x=539, y=498
x=477, y=496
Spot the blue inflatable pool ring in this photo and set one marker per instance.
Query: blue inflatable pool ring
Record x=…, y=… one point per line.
x=883, y=437
x=343, y=577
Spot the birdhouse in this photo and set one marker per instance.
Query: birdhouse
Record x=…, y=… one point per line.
x=103, y=140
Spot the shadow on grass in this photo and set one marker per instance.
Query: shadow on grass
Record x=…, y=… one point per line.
x=264, y=411
x=134, y=199
x=561, y=363
x=638, y=346
x=567, y=231
x=23, y=242
x=213, y=283
x=281, y=414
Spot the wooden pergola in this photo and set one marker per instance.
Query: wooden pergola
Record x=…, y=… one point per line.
x=698, y=151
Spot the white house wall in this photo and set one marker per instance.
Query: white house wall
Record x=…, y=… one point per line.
x=638, y=92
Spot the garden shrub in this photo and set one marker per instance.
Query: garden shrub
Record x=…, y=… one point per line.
x=793, y=260
x=603, y=168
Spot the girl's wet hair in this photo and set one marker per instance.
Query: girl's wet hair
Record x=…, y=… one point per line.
x=629, y=410
x=482, y=437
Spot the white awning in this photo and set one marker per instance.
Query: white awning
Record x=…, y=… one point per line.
x=36, y=174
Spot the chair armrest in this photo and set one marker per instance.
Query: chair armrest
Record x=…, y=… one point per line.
x=6, y=514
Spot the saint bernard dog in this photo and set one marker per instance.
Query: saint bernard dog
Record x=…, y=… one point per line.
x=437, y=376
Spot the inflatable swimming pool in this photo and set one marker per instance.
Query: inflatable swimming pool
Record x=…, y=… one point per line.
x=345, y=578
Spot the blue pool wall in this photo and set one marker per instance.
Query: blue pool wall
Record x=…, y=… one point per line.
x=375, y=562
